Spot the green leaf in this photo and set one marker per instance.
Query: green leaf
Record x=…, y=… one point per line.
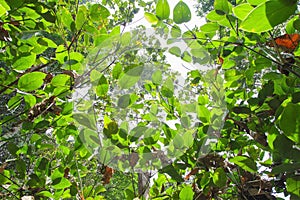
x=25, y=62
x=14, y=102
x=102, y=86
x=151, y=18
x=241, y=110
x=241, y=11
x=199, y=52
x=116, y=31
x=124, y=101
x=20, y=166
x=293, y=185
x=66, y=18
x=269, y=14
x=31, y=81
x=131, y=77
x=43, y=162
x=256, y=2
x=45, y=194
x=262, y=63
x=188, y=138
x=282, y=145
x=61, y=183
x=74, y=62
x=175, y=31
x=49, y=16
x=171, y=171
x=80, y=17
x=117, y=70
x=181, y=13
x=111, y=128
x=85, y=120
x=14, y=4
x=228, y=64
x=126, y=39
x=61, y=80
x=285, y=167
x=203, y=99
x=98, y=12
x=186, y=56
x=162, y=9
x=245, y=163
x=296, y=97
x=30, y=100
x=203, y=113
x=221, y=7
x=177, y=141
x=290, y=122
x=219, y=177
x=167, y=88
x=186, y=193
x=175, y=51
x=3, y=7
x=157, y=77
x=61, y=54
x=209, y=27
x=213, y=16
x=90, y=139
x=137, y=132
x=46, y=42
x=296, y=24
x=205, y=179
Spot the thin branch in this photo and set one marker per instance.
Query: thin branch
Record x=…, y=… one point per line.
x=79, y=178
x=10, y=179
x=9, y=192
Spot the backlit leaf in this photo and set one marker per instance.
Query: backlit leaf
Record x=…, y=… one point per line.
x=31, y=81
x=61, y=183
x=171, y=171
x=290, y=122
x=186, y=193
x=151, y=18
x=256, y=2
x=80, y=17
x=241, y=11
x=157, y=77
x=219, y=177
x=245, y=163
x=221, y=7
x=25, y=62
x=98, y=12
x=181, y=13
x=85, y=120
x=269, y=14
x=131, y=77
x=162, y=9
x=175, y=51
x=293, y=185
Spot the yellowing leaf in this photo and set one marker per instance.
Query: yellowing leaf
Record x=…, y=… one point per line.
x=151, y=18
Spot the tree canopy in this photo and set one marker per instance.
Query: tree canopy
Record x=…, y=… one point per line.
x=92, y=110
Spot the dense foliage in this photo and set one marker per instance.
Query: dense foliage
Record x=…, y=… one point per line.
x=86, y=105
